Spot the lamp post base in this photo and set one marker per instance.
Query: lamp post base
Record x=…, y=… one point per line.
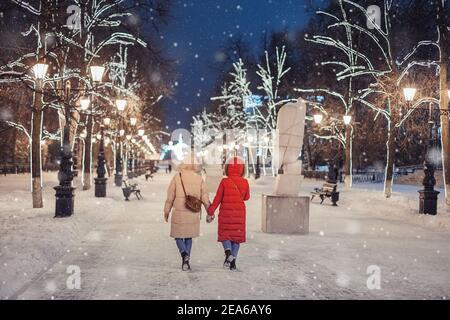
x=64, y=201
x=100, y=187
x=428, y=201
x=118, y=179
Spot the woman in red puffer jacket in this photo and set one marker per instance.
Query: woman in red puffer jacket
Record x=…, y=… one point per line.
x=231, y=194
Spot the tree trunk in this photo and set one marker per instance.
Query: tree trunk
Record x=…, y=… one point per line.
x=87, y=163
x=445, y=138
x=36, y=135
x=74, y=120
x=309, y=156
x=390, y=156
x=87, y=155
x=348, y=165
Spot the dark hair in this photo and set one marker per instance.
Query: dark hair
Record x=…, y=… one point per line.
x=226, y=169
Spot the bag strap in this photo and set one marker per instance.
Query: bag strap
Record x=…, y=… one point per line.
x=182, y=184
x=240, y=195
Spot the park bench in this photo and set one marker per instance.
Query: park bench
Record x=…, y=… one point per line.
x=148, y=175
x=130, y=188
x=328, y=190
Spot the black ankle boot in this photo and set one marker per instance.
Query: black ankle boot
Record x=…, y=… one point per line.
x=233, y=264
x=226, y=263
x=185, y=262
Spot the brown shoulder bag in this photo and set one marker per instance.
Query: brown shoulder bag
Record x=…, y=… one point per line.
x=191, y=202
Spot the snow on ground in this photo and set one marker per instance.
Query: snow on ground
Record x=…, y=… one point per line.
x=124, y=252
x=31, y=240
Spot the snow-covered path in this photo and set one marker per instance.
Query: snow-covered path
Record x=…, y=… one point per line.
x=127, y=253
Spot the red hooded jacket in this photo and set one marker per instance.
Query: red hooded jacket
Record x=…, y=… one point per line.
x=231, y=194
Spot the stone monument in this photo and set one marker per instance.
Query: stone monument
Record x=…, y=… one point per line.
x=285, y=211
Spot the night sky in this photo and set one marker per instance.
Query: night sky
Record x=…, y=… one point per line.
x=197, y=31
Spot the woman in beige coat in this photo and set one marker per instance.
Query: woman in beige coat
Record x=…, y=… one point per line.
x=185, y=224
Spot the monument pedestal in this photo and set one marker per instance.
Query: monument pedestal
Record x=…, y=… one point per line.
x=288, y=183
x=285, y=214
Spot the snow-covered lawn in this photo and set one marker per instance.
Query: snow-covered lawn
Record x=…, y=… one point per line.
x=124, y=252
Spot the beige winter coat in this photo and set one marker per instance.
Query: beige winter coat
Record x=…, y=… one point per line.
x=185, y=223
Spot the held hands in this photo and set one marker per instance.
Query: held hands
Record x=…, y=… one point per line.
x=166, y=217
x=210, y=219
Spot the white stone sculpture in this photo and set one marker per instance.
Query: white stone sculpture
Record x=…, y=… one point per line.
x=288, y=145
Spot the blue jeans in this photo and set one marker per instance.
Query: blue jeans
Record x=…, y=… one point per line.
x=233, y=246
x=184, y=245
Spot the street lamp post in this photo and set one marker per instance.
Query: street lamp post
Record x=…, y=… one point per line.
x=64, y=206
x=258, y=168
x=332, y=178
x=138, y=160
x=136, y=164
x=130, y=163
x=85, y=104
x=130, y=171
x=39, y=72
x=100, y=181
x=118, y=176
x=427, y=196
x=348, y=174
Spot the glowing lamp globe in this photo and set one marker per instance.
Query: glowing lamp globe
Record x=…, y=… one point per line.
x=128, y=136
x=141, y=132
x=107, y=121
x=84, y=103
x=121, y=132
x=318, y=118
x=40, y=70
x=97, y=73
x=347, y=119
x=121, y=104
x=133, y=121
x=409, y=93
